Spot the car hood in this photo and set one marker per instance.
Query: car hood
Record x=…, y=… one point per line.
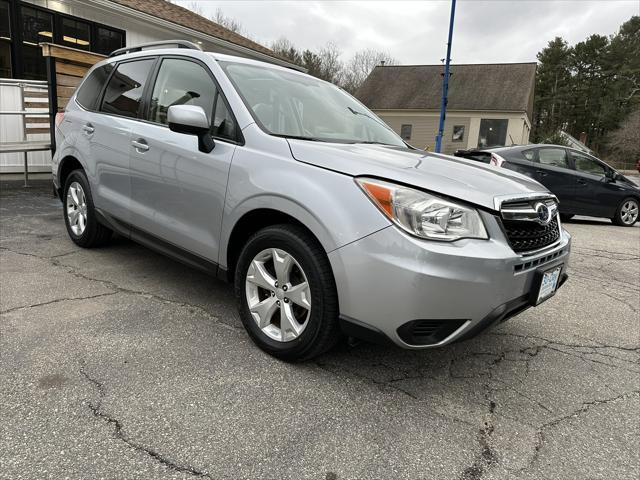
x=455, y=177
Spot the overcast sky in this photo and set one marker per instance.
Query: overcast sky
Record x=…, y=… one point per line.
x=415, y=32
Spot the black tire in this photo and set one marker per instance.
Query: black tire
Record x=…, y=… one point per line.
x=322, y=330
x=618, y=219
x=565, y=217
x=94, y=234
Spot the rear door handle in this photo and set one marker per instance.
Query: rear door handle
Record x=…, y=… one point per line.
x=88, y=129
x=140, y=145
x=542, y=173
x=581, y=182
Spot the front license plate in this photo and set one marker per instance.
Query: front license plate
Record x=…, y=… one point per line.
x=548, y=284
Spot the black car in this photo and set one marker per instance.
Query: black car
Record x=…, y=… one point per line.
x=584, y=184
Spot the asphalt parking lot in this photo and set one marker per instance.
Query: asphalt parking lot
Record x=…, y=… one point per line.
x=120, y=363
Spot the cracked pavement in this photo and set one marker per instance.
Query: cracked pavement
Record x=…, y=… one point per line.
x=120, y=363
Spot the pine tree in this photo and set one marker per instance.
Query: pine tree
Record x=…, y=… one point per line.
x=553, y=79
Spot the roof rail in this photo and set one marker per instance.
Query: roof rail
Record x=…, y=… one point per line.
x=153, y=45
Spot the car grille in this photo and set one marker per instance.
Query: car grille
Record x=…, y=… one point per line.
x=526, y=236
x=524, y=229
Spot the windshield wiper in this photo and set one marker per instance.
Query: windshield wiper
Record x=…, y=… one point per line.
x=370, y=142
x=356, y=112
x=298, y=137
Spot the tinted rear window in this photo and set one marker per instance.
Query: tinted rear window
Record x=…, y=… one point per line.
x=90, y=89
x=124, y=91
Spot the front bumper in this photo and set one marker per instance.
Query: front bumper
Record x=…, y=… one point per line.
x=388, y=279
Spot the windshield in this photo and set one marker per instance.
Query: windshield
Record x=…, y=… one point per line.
x=299, y=106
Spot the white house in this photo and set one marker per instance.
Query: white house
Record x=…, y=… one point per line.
x=98, y=26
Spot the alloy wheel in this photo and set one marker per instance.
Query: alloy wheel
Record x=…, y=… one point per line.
x=278, y=294
x=629, y=212
x=77, y=208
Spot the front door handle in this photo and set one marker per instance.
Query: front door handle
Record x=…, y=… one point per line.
x=542, y=173
x=140, y=145
x=88, y=129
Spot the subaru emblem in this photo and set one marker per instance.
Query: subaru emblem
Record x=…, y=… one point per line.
x=544, y=214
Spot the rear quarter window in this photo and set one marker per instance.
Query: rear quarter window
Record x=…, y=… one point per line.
x=90, y=89
x=529, y=155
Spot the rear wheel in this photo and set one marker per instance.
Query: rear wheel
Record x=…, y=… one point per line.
x=286, y=293
x=627, y=213
x=79, y=213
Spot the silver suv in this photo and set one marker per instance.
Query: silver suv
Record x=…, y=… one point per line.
x=324, y=219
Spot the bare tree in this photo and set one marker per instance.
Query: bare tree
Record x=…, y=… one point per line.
x=326, y=63
x=196, y=7
x=285, y=48
x=330, y=64
x=358, y=68
x=227, y=22
x=323, y=63
x=624, y=141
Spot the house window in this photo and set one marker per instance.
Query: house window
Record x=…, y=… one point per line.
x=108, y=40
x=23, y=28
x=493, y=132
x=75, y=33
x=5, y=40
x=458, y=133
x=5, y=26
x=405, y=132
x=37, y=26
x=34, y=66
x=5, y=59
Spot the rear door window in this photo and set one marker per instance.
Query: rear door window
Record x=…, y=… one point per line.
x=90, y=89
x=123, y=95
x=555, y=157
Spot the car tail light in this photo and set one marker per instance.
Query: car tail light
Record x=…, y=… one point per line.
x=496, y=160
x=59, y=118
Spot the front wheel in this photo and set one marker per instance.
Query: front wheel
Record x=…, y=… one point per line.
x=627, y=213
x=286, y=293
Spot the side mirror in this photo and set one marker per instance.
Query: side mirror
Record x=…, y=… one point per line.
x=192, y=120
x=612, y=175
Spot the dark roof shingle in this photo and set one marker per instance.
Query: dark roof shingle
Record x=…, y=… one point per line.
x=182, y=16
x=499, y=87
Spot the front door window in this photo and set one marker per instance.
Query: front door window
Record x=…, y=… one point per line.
x=587, y=164
x=183, y=82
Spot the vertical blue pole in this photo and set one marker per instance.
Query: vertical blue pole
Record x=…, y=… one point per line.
x=445, y=81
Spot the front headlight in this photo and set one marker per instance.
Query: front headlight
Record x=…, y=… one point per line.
x=422, y=214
